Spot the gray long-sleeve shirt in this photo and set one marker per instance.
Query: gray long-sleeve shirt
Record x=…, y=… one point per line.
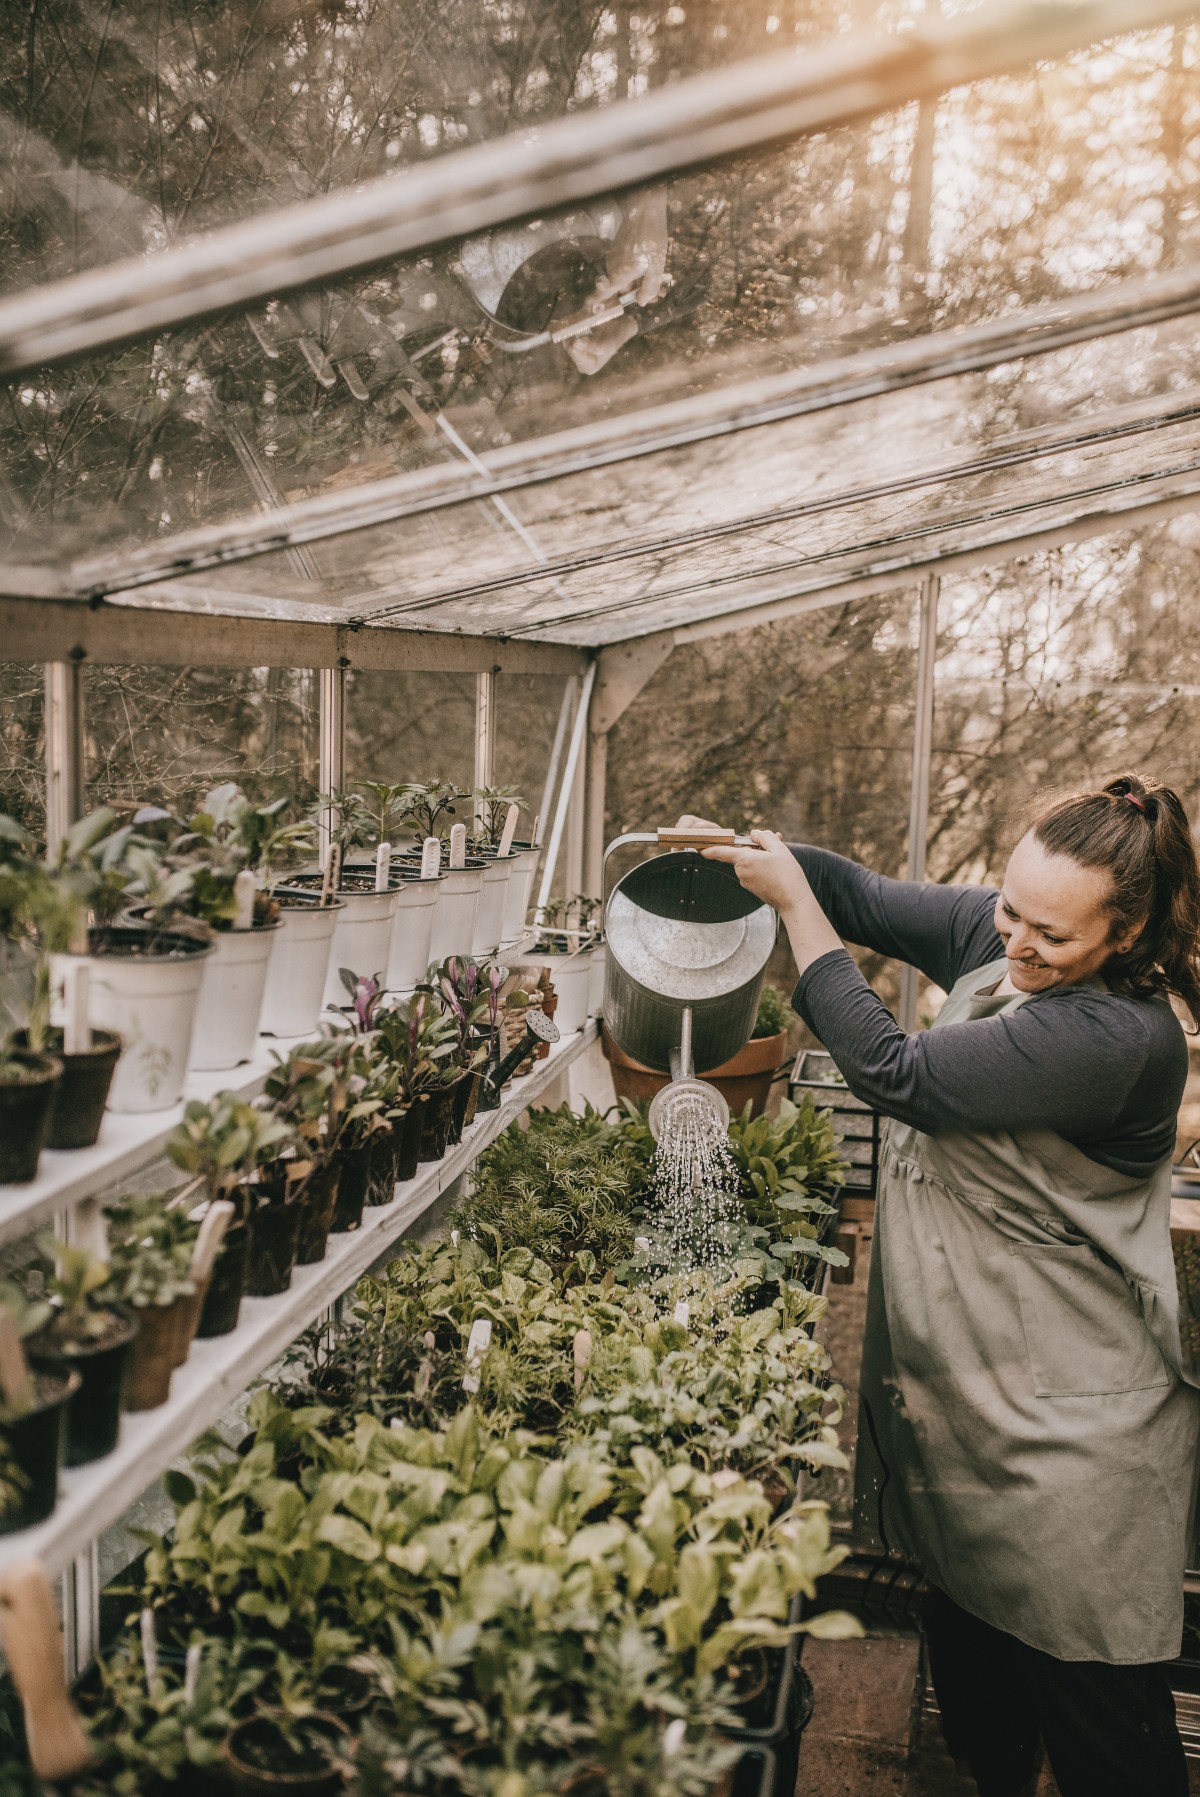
x=1105, y=1070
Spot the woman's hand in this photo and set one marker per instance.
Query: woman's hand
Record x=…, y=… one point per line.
x=770, y=871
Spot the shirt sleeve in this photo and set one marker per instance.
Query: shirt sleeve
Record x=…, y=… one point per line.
x=945, y=931
x=1066, y=1061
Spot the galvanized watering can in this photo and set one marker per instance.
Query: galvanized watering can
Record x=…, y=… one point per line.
x=687, y=953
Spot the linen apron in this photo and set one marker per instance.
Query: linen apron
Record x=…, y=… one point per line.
x=1028, y=1432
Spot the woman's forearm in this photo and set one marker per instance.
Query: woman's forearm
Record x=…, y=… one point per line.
x=809, y=930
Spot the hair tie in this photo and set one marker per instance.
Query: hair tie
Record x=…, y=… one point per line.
x=1134, y=800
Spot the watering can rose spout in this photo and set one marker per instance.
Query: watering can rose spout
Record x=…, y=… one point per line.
x=688, y=948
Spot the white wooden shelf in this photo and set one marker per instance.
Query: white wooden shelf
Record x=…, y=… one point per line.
x=126, y=1142
x=217, y=1371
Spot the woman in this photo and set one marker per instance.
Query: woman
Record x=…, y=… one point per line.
x=1030, y=1433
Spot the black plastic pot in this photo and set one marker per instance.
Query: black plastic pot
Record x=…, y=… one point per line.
x=25, y=1115
x=757, y=1775
x=94, y=1412
x=458, y=1111
x=411, y=1132
x=317, y=1206
x=489, y=1091
x=35, y=1444
x=274, y=1239
x=778, y=1714
x=82, y=1093
x=385, y=1153
x=354, y=1178
x=252, y=1745
x=227, y=1283
x=435, y=1129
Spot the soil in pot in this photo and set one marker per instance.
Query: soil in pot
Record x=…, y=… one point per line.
x=410, y=1132
x=94, y=1412
x=318, y=1203
x=344, y=1690
x=435, y=1130
x=27, y=1087
x=263, y=1759
x=385, y=1153
x=274, y=1239
x=151, y=1359
x=33, y=1446
x=354, y=1178
x=226, y=1285
x=77, y=1108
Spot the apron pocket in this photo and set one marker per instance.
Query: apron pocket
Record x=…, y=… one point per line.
x=1084, y=1333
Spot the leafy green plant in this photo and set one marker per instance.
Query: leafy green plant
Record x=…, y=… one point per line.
x=151, y=1242
x=422, y=1042
x=491, y=811
x=774, y=1014
x=431, y=803
x=224, y=1139
x=78, y=1285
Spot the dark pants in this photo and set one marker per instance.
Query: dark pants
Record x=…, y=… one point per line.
x=1108, y=1731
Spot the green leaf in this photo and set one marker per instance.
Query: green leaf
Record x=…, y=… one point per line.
x=349, y=1537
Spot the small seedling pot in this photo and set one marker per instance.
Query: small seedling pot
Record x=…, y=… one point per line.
x=274, y=1239
x=25, y=1106
x=82, y=1093
x=191, y=1309
x=412, y=931
x=571, y=974
x=318, y=1203
x=36, y=1442
x=385, y=1154
x=299, y=964
x=226, y=1285
x=153, y=1354
x=231, y=998
x=439, y=1118
x=409, y=1133
x=261, y=1763
x=354, y=1178
x=454, y=915
x=94, y=1411
x=145, y=985
x=489, y=917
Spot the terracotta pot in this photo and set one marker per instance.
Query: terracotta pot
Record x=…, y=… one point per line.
x=747, y=1077
x=152, y=1354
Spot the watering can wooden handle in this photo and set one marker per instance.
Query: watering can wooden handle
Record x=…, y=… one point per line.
x=696, y=839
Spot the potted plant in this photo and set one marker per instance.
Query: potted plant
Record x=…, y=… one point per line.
x=27, y=1086
x=493, y=805
x=86, y=1334
x=224, y=1142
x=319, y=1092
x=152, y=1242
x=419, y=1041
x=746, y=1079
x=274, y=1754
x=43, y=908
x=566, y=947
x=145, y=974
x=416, y=893
x=33, y=1418
x=430, y=805
x=369, y=896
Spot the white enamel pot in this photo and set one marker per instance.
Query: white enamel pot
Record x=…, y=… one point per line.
x=571, y=975
x=362, y=940
x=149, y=998
x=489, y=918
x=231, y=998
x=412, y=932
x=454, y=914
x=520, y=890
x=299, y=966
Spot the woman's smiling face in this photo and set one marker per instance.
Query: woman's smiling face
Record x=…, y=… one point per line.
x=1053, y=917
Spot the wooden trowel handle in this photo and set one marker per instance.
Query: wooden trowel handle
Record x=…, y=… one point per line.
x=58, y=1747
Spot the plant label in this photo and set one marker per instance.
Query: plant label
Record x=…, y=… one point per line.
x=383, y=866
x=212, y=1233
x=431, y=857
x=191, y=1671
x=332, y=878
x=244, y=891
x=478, y=1343
x=508, y=832
x=77, y=1034
x=642, y=1243
x=582, y=1350
x=15, y=1381
x=683, y=1312
x=33, y=1647
x=533, y=834
x=88, y=1228
x=149, y=1646
x=458, y=847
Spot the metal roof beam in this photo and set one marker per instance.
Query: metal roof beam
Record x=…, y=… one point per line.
x=38, y=629
x=686, y=125
x=842, y=381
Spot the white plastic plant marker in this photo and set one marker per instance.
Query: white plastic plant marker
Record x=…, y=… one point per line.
x=683, y=1312
x=149, y=1645
x=15, y=1381
x=478, y=1343
x=642, y=1243
x=208, y=1241
x=581, y=1348
x=245, y=890
x=77, y=994
x=89, y=1230
x=458, y=847
x=508, y=833
x=674, y=1735
x=33, y=1647
x=331, y=876
x=191, y=1671
x=431, y=857
x=383, y=866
